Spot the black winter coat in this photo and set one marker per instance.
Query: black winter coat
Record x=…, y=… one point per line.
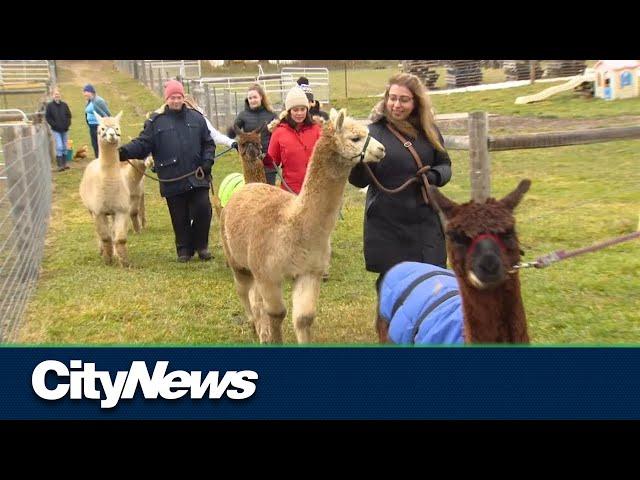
x=315, y=110
x=58, y=116
x=249, y=120
x=401, y=227
x=179, y=142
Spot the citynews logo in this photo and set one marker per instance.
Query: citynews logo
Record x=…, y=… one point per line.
x=80, y=380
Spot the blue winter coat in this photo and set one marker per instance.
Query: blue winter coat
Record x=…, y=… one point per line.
x=422, y=304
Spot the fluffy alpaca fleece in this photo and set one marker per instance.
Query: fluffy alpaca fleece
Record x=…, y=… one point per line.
x=105, y=192
x=269, y=234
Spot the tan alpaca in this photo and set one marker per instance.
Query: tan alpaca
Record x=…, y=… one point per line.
x=269, y=234
x=105, y=192
x=134, y=177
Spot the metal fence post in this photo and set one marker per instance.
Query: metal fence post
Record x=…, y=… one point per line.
x=151, y=83
x=207, y=102
x=215, y=102
x=479, y=156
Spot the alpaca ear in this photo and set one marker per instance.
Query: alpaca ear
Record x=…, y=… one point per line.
x=237, y=130
x=340, y=119
x=442, y=203
x=333, y=113
x=118, y=116
x=512, y=200
x=98, y=117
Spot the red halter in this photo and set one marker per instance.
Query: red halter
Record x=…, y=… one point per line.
x=482, y=236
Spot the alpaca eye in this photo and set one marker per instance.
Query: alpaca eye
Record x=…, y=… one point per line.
x=356, y=139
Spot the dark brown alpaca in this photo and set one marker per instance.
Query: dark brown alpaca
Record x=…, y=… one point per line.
x=250, y=150
x=483, y=248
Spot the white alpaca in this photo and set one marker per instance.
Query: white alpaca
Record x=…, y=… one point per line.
x=105, y=192
x=269, y=234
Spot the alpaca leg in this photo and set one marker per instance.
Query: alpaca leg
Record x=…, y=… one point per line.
x=273, y=311
x=134, y=212
x=120, y=227
x=306, y=290
x=135, y=221
x=141, y=212
x=104, y=234
x=217, y=207
x=260, y=319
x=243, y=280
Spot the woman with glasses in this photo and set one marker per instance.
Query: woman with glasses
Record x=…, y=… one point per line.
x=402, y=227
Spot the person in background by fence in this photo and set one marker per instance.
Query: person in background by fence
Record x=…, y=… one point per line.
x=218, y=137
x=58, y=117
x=179, y=140
x=95, y=104
x=258, y=112
x=401, y=227
x=314, y=105
x=293, y=140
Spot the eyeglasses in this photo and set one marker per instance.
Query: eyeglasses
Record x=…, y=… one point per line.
x=403, y=99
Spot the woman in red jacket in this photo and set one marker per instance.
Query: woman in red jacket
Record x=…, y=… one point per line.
x=293, y=140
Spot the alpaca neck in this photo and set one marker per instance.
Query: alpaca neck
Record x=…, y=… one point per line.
x=253, y=171
x=109, y=158
x=137, y=170
x=494, y=316
x=318, y=204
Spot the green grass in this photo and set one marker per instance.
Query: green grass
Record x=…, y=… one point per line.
x=580, y=195
x=562, y=105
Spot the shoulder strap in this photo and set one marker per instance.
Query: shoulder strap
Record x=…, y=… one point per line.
x=424, y=188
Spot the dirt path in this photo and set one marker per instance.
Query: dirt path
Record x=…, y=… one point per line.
x=87, y=71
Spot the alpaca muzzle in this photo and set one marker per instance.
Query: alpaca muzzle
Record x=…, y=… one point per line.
x=372, y=151
x=487, y=269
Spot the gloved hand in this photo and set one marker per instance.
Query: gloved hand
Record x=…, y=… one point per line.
x=206, y=168
x=123, y=154
x=433, y=177
x=234, y=145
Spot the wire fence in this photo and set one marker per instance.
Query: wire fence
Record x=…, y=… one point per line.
x=25, y=205
x=223, y=98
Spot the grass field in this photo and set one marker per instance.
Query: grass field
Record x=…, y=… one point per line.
x=579, y=195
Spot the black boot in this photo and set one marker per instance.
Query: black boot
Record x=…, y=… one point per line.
x=60, y=163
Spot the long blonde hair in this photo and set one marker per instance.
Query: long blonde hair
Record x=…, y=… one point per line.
x=422, y=111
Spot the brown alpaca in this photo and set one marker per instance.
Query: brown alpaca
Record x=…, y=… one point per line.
x=134, y=177
x=250, y=150
x=269, y=234
x=483, y=248
x=105, y=192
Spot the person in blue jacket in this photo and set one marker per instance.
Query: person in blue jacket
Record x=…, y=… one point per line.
x=95, y=104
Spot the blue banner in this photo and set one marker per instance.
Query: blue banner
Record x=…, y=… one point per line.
x=319, y=383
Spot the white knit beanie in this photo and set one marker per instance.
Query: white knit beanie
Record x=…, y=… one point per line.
x=296, y=98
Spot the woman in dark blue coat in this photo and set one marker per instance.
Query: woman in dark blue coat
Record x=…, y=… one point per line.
x=401, y=227
x=179, y=140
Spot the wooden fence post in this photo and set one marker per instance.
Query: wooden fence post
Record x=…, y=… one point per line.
x=532, y=70
x=479, y=156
